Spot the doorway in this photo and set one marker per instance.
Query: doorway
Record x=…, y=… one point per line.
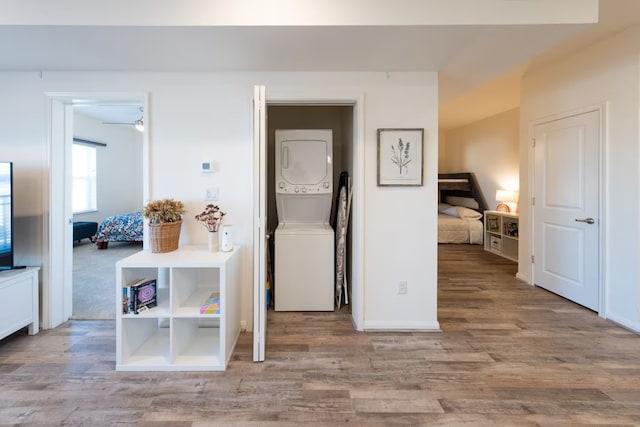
x=57, y=278
x=104, y=135
x=355, y=101
x=338, y=118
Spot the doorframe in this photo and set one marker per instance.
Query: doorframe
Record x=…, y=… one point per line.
x=603, y=112
x=57, y=280
x=356, y=100
x=259, y=223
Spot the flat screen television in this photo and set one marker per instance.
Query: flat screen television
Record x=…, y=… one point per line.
x=6, y=215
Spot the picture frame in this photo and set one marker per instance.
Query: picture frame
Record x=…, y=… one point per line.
x=400, y=157
x=493, y=224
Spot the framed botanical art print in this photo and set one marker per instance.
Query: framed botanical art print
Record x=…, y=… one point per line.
x=400, y=158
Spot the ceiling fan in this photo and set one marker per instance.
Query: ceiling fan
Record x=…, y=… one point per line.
x=138, y=124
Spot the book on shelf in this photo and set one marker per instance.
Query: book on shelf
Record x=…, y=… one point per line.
x=126, y=299
x=211, y=305
x=510, y=229
x=139, y=295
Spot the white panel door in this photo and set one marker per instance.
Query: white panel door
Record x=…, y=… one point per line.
x=67, y=245
x=57, y=290
x=260, y=223
x=566, y=190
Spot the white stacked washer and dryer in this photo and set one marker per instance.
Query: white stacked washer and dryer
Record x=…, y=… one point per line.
x=304, y=239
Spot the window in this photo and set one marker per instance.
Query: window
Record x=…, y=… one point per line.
x=84, y=178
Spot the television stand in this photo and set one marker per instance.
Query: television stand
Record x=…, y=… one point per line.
x=19, y=301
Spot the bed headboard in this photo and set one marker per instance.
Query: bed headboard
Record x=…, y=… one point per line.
x=462, y=184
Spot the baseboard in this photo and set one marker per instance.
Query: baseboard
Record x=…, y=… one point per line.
x=522, y=277
x=381, y=325
x=632, y=326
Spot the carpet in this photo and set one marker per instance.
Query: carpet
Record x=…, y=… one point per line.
x=94, y=276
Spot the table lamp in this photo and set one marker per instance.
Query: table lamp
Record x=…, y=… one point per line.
x=504, y=197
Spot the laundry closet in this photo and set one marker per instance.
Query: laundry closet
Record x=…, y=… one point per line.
x=310, y=151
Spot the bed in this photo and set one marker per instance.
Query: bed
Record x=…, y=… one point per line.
x=460, y=209
x=120, y=228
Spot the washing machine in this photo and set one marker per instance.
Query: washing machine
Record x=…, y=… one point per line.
x=304, y=240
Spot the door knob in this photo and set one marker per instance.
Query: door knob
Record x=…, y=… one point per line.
x=587, y=220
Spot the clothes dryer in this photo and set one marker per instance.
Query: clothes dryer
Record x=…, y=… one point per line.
x=304, y=240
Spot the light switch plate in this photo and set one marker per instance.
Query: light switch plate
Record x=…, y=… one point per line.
x=211, y=194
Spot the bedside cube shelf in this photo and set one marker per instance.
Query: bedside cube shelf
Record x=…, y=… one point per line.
x=501, y=234
x=174, y=336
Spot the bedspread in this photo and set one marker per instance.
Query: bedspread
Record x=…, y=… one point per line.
x=121, y=228
x=456, y=230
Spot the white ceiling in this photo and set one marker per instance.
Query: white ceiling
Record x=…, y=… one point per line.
x=112, y=114
x=502, y=91
x=472, y=60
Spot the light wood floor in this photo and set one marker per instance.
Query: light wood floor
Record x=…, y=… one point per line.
x=508, y=354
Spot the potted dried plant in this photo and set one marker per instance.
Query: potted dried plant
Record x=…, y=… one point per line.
x=211, y=218
x=165, y=222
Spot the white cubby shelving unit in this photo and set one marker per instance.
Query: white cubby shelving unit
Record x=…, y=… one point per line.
x=501, y=234
x=174, y=336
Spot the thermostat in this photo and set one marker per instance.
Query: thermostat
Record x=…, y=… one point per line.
x=206, y=167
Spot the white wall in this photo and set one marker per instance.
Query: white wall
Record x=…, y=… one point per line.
x=22, y=136
x=208, y=116
x=607, y=73
x=401, y=223
x=489, y=148
x=442, y=151
x=119, y=167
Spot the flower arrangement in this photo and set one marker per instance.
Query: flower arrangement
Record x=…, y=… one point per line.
x=400, y=156
x=164, y=210
x=211, y=217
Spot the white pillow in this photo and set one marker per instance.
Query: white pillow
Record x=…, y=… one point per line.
x=443, y=206
x=462, y=212
x=467, y=202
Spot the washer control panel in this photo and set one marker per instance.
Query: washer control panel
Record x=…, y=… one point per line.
x=285, y=187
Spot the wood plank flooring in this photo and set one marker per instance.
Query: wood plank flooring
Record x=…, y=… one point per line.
x=508, y=354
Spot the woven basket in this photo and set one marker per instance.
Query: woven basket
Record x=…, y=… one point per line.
x=164, y=236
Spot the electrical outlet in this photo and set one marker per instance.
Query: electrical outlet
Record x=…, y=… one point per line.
x=402, y=287
x=211, y=194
